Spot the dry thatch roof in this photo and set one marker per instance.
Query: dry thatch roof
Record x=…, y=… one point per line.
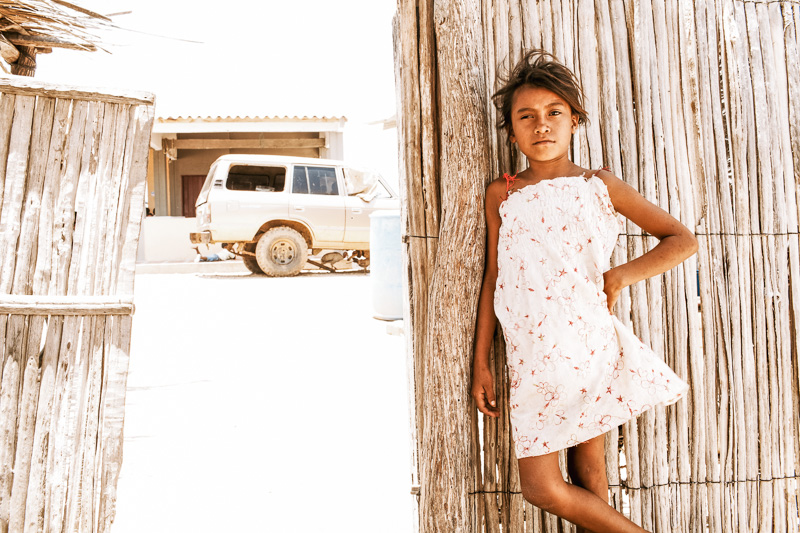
x=29, y=26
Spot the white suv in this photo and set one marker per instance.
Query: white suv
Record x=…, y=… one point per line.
x=275, y=209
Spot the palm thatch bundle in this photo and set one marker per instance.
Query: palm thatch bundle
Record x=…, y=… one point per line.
x=28, y=27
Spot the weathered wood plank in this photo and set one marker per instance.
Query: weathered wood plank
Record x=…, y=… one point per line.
x=65, y=305
x=23, y=284
x=497, y=514
x=39, y=482
x=412, y=219
x=71, y=435
x=29, y=87
x=587, y=51
x=36, y=492
x=94, y=226
x=7, y=103
x=16, y=168
x=12, y=332
x=62, y=335
x=62, y=433
x=65, y=454
x=113, y=413
x=226, y=144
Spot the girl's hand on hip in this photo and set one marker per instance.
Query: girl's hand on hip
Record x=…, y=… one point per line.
x=612, y=287
x=483, y=391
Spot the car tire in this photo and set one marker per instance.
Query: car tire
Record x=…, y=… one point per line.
x=250, y=261
x=281, y=252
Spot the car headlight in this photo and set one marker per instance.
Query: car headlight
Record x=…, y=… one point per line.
x=203, y=215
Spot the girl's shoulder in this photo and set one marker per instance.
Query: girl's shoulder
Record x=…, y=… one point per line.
x=498, y=186
x=500, y=182
x=602, y=173
x=621, y=195
x=497, y=192
x=609, y=179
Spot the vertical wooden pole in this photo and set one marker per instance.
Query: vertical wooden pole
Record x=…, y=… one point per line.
x=448, y=451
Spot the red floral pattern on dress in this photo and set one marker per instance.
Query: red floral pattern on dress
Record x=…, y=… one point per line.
x=575, y=370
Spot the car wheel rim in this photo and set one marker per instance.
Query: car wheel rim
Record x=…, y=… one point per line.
x=282, y=252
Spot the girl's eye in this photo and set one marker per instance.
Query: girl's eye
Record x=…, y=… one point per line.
x=555, y=112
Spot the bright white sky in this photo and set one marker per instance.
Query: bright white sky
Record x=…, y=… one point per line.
x=271, y=57
x=256, y=58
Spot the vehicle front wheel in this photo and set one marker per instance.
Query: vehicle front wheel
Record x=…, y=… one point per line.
x=281, y=251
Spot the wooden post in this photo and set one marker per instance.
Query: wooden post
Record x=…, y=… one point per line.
x=444, y=90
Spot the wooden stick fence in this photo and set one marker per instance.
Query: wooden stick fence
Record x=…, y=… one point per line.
x=697, y=105
x=72, y=169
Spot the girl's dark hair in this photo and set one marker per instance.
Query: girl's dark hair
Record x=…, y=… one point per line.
x=540, y=69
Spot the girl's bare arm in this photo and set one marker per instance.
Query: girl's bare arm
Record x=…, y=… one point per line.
x=482, y=380
x=677, y=242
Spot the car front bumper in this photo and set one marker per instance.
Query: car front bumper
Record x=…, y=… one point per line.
x=200, y=238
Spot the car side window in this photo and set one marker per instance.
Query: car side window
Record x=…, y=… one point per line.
x=382, y=191
x=255, y=178
x=300, y=181
x=315, y=180
x=322, y=180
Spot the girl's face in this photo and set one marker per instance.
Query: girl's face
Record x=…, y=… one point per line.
x=542, y=124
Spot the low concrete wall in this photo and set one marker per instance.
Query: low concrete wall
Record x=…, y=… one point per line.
x=166, y=239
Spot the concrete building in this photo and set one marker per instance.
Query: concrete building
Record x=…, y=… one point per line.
x=182, y=150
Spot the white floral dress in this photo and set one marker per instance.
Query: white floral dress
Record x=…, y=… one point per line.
x=575, y=370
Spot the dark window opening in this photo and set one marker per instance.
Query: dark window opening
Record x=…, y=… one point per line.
x=256, y=178
x=300, y=183
x=320, y=180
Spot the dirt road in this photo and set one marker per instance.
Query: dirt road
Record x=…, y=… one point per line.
x=258, y=404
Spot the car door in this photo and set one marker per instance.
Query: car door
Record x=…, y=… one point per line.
x=250, y=195
x=317, y=201
x=358, y=211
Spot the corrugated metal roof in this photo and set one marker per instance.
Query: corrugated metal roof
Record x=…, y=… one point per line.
x=183, y=119
x=210, y=124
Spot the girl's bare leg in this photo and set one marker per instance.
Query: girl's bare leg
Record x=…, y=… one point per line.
x=543, y=486
x=586, y=464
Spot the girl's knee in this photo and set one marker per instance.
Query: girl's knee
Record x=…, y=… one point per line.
x=547, y=496
x=587, y=466
x=592, y=478
x=588, y=473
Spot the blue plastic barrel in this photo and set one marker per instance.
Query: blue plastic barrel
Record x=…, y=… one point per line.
x=386, y=264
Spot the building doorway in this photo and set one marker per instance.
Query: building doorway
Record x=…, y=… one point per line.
x=191, y=190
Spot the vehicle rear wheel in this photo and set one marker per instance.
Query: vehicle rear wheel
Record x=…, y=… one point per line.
x=281, y=252
x=250, y=261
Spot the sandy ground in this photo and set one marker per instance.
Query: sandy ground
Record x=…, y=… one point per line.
x=258, y=404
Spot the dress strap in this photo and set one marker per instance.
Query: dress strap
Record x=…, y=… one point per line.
x=596, y=172
x=509, y=181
